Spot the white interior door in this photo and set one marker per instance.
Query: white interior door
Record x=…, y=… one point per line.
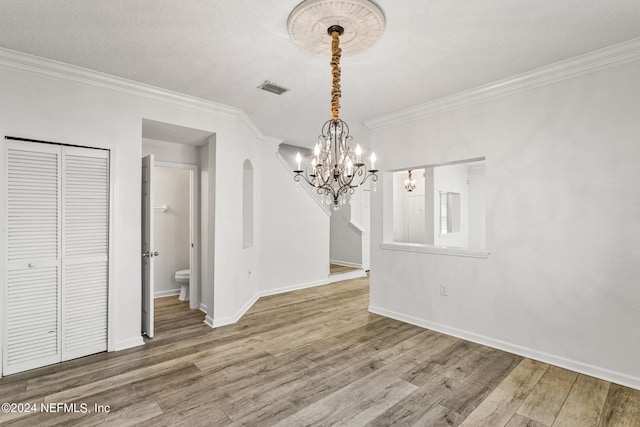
x=147, y=246
x=31, y=294
x=57, y=253
x=415, y=219
x=85, y=251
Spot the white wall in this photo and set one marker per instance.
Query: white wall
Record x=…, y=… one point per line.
x=55, y=110
x=236, y=273
x=294, y=230
x=346, y=224
x=430, y=201
x=400, y=207
x=561, y=282
x=171, y=227
x=345, y=236
x=60, y=103
x=172, y=152
x=477, y=207
x=288, y=153
x=248, y=209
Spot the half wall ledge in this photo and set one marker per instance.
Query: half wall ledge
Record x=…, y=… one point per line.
x=439, y=250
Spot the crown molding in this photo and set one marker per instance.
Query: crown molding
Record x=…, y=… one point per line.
x=601, y=59
x=258, y=136
x=42, y=67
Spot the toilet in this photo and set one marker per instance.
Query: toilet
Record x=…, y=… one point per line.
x=182, y=277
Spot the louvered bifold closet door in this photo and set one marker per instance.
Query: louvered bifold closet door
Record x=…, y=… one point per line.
x=31, y=295
x=85, y=247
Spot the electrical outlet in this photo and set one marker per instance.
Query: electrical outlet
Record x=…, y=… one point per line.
x=444, y=291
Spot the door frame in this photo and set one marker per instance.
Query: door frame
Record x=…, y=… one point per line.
x=194, y=229
x=19, y=136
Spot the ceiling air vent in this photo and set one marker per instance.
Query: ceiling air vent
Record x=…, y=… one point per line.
x=272, y=87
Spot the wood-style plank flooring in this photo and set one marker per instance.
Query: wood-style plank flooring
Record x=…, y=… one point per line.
x=313, y=357
x=339, y=269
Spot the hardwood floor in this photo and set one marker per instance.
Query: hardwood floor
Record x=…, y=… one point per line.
x=338, y=269
x=313, y=357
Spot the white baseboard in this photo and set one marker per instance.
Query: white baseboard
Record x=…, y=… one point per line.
x=583, y=368
x=203, y=308
x=128, y=343
x=229, y=320
x=208, y=320
x=234, y=318
x=355, y=274
x=167, y=293
x=291, y=288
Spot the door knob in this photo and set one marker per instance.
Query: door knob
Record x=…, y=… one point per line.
x=150, y=254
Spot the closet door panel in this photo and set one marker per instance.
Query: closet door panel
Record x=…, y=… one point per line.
x=32, y=204
x=85, y=314
x=85, y=248
x=56, y=266
x=31, y=319
x=32, y=270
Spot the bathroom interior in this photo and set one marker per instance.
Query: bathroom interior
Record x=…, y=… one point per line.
x=171, y=231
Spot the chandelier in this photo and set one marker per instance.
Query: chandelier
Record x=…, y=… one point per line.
x=336, y=169
x=410, y=183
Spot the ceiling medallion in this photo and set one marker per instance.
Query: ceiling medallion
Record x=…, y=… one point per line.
x=363, y=24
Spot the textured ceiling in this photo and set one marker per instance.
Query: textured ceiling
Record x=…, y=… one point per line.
x=222, y=50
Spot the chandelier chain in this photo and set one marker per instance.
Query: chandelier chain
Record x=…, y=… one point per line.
x=336, y=52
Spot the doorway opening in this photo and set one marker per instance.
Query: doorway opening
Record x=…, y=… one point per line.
x=349, y=239
x=175, y=209
x=172, y=200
